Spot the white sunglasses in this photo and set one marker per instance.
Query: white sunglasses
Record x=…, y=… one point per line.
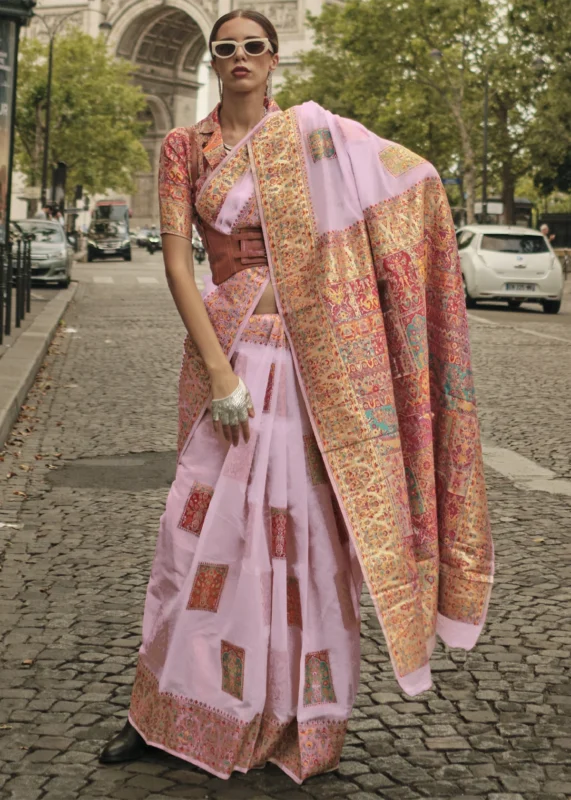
x=226, y=48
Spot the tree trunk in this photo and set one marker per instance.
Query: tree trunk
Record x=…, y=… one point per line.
x=469, y=162
x=508, y=191
x=508, y=179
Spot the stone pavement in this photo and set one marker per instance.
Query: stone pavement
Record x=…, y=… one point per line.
x=90, y=460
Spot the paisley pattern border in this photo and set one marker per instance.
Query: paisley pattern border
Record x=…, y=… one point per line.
x=222, y=742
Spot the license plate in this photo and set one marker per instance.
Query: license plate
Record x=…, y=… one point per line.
x=521, y=287
x=110, y=249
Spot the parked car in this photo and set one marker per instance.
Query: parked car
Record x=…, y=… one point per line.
x=503, y=262
x=108, y=239
x=52, y=254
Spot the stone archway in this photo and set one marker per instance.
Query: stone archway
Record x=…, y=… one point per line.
x=166, y=44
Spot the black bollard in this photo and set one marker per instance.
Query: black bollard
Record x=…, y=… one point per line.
x=8, y=285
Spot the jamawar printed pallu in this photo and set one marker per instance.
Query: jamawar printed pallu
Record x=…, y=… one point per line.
x=364, y=461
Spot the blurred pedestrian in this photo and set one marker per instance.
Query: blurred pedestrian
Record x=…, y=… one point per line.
x=544, y=229
x=43, y=213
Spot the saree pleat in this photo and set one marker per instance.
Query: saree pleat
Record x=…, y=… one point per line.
x=251, y=626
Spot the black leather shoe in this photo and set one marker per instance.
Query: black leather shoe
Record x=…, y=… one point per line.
x=128, y=745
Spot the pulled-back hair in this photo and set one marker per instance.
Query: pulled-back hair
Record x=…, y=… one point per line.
x=247, y=13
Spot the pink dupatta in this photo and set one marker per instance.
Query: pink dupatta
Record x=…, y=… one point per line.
x=386, y=378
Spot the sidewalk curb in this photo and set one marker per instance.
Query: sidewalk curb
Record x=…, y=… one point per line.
x=19, y=366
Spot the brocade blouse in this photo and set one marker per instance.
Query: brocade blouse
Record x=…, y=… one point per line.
x=177, y=194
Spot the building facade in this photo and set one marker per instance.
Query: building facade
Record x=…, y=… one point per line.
x=167, y=44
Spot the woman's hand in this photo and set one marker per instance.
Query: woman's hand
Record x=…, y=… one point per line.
x=231, y=406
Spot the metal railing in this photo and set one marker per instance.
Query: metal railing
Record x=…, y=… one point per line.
x=15, y=283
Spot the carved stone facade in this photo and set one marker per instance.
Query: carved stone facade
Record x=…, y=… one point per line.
x=284, y=13
x=167, y=45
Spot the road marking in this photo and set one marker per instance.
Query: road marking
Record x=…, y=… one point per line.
x=147, y=280
x=103, y=279
x=544, y=335
x=482, y=319
x=524, y=473
x=517, y=328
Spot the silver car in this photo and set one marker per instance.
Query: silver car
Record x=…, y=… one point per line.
x=52, y=255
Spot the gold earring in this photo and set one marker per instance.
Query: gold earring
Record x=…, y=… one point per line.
x=219, y=87
x=269, y=86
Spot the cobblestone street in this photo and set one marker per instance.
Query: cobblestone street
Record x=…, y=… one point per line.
x=83, y=483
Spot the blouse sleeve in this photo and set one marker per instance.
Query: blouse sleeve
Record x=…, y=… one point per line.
x=175, y=185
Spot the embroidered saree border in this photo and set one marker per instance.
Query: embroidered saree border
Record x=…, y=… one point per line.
x=213, y=192
x=222, y=742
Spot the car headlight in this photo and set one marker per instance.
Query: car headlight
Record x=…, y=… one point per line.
x=125, y=242
x=92, y=243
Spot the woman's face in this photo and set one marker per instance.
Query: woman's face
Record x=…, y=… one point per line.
x=241, y=72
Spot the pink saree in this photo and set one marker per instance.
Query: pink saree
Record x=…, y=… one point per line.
x=365, y=456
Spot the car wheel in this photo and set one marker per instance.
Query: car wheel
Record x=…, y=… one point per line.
x=514, y=303
x=470, y=302
x=65, y=283
x=551, y=306
x=89, y=255
x=127, y=256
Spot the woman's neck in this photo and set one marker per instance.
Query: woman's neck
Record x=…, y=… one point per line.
x=239, y=114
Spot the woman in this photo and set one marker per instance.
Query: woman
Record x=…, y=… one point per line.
x=326, y=433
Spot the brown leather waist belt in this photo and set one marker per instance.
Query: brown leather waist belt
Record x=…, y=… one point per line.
x=230, y=253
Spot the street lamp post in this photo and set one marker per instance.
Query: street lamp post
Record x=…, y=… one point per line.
x=485, y=148
x=47, y=122
x=51, y=35
x=104, y=26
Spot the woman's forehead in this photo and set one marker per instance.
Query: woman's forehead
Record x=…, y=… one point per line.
x=240, y=28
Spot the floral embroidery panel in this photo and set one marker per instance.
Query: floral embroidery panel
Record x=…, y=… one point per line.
x=207, y=587
x=278, y=523
x=321, y=144
x=293, y=603
x=238, y=462
x=233, y=660
x=398, y=159
x=318, y=686
x=266, y=581
x=195, y=508
x=314, y=461
x=269, y=389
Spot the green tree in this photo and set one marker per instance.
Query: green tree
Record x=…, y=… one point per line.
x=410, y=71
x=95, y=114
x=415, y=71
x=545, y=29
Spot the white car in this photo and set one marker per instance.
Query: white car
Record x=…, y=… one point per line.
x=504, y=262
